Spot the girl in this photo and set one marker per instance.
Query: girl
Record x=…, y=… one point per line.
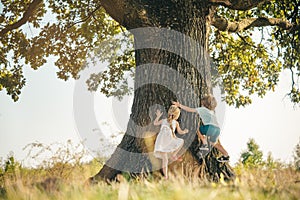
x=167, y=144
x=210, y=127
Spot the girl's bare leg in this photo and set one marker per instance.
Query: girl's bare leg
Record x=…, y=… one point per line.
x=165, y=164
x=174, y=154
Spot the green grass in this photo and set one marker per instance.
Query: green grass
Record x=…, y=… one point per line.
x=56, y=183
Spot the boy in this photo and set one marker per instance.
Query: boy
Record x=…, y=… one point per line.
x=210, y=127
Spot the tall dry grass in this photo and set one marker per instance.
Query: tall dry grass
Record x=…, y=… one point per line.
x=259, y=183
x=58, y=178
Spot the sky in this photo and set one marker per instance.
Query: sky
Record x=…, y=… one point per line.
x=46, y=113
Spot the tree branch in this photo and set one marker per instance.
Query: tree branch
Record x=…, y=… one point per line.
x=224, y=25
x=28, y=13
x=91, y=14
x=238, y=4
x=128, y=13
x=116, y=9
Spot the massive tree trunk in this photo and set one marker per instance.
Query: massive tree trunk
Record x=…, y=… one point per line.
x=171, y=64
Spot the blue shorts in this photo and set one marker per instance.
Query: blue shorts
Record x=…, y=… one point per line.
x=211, y=131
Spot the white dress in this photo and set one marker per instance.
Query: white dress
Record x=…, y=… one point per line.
x=165, y=141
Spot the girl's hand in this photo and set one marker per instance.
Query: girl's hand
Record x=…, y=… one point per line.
x=176, y=103
x=158, y=113
x=186, y=131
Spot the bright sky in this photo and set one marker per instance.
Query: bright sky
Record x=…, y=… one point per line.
x=45, y=113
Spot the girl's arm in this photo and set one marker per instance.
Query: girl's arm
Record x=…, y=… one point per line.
x=158, y=115
x=186, y=108
x=179, y=130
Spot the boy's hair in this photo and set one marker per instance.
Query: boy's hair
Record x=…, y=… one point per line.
x=209, y=102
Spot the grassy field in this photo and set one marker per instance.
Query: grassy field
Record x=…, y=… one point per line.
x=66, y=181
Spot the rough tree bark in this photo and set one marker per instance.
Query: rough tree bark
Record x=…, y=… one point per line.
x=178, y=72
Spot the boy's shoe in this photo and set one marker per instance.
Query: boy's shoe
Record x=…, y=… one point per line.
x=204, y=147
x=202, y=154
x=223, y=159
x=203, y=150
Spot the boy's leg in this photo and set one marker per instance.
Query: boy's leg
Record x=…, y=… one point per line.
x=202, y=137
x=214, y=134
x=225, y=157
x=218, y=146
x=204, y=148
x=202, y=134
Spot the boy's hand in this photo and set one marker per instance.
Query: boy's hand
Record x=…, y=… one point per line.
x=176, y=103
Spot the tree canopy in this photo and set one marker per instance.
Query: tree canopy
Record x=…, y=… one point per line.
x=251, y=42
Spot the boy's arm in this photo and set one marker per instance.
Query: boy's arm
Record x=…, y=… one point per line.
x=179, y=130
x=186, y=108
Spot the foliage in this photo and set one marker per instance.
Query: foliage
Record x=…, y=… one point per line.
x=70, y=31
x=113, y=81
x=9, y=168
x=73, y=32
x=297, y=156
x=250, y=62
x=253, y=156
x=57, y=159
x=61, y=161
x=270, y=163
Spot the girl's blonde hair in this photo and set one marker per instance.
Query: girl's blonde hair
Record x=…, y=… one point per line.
x=173, y=113
x=209, y=102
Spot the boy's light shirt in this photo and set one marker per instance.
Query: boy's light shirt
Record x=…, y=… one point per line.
x=208, y=116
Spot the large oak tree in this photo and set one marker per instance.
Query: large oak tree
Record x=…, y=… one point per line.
x=223, y=29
